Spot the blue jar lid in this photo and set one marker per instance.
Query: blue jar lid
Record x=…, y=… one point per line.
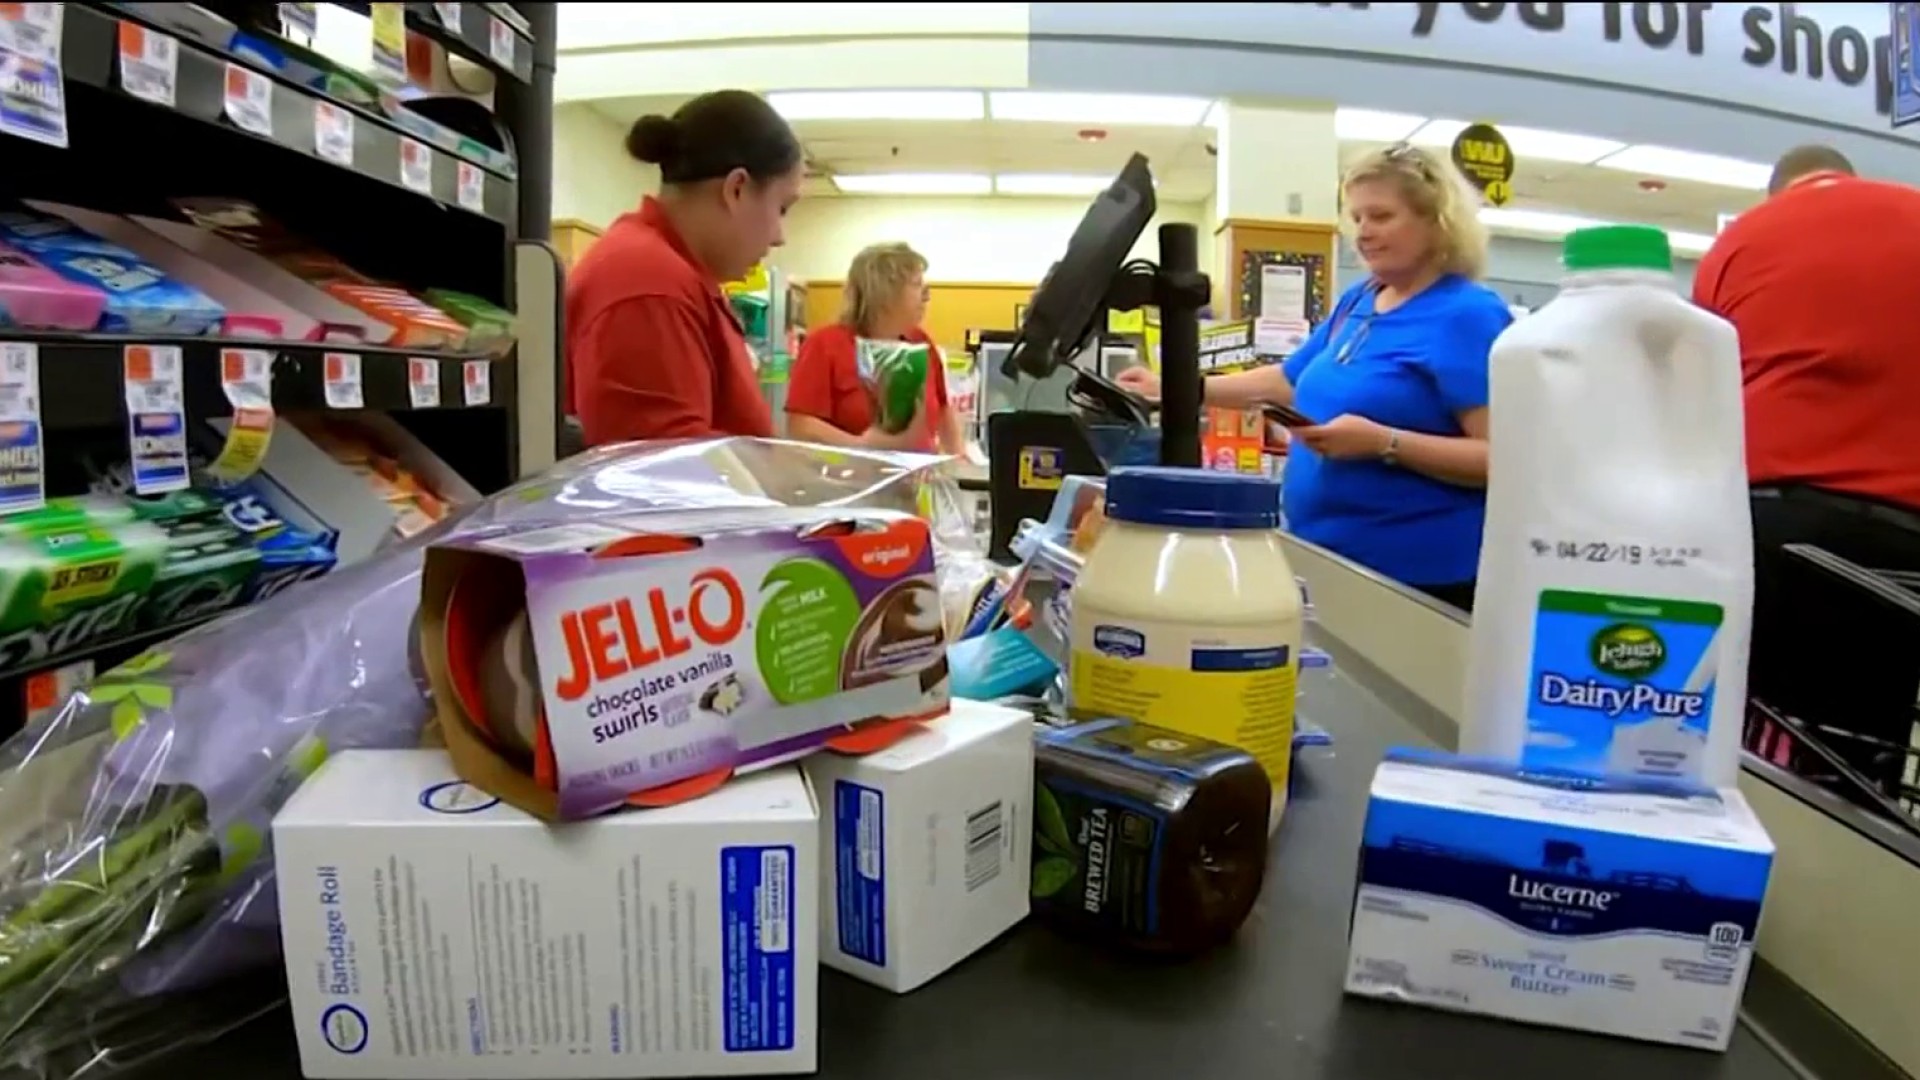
x=1192, y=498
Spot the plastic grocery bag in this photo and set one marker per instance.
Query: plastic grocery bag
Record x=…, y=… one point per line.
x=136, y=820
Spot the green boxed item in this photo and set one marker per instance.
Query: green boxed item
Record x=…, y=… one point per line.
x=208, y=567
x=490, y=329
x=47, y=577
x=68, y=512
x=187, y=505
x=895, y=373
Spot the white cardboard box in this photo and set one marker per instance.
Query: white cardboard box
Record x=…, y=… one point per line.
x=926, y=846
x=1622, y=907
x=433, y=931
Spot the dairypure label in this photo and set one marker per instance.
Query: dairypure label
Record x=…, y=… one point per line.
x=1621, y=684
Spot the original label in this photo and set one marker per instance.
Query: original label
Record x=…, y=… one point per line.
x=757, y=972
x=1232, y=686
x=657, y=669
x=1621, y=684
x=860, y=871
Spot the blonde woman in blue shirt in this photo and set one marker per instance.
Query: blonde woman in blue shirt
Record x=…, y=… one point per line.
x=1393, y=475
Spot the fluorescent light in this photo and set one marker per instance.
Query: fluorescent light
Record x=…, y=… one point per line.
x=1687, y=165
x=1535, y=144
x=1720, y=224
x=880, y=104
x=1368, y=125
x=1534, y=221
x=1117, y=109
x=915, y=184
x=1050, y=184
x=1689, y=243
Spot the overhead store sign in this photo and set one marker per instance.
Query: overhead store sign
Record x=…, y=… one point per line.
x=1483, y=156
x=1830, y=63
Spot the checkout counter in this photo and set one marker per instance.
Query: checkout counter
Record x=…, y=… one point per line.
x=1831, y=1000
x=1832, y=996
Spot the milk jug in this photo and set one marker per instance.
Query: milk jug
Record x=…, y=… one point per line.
x=1615, y=594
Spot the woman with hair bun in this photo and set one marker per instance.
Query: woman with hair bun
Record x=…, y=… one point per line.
x=654, y=350
x=1394, y=472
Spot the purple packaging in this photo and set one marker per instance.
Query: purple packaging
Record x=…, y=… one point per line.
x=656, y=650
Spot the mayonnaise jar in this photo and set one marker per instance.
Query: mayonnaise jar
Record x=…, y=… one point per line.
x=1188, y=617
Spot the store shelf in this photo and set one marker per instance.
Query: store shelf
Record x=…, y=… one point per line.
x=91, y=57
x=81, y=385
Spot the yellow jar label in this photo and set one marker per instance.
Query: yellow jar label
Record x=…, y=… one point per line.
x=1237, y=692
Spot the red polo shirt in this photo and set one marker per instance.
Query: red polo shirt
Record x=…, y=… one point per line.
x=654, y=350
x=825, y=381
x=1820, y=282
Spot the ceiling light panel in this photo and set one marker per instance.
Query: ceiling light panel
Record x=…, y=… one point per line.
x=1369, y=125
x=1140, y=110
x=1687, y=165
x=1689, y=243
x=1529, y=144
x=1050, y=184
x=880, y=104
x=1536, y=221
x=915, y=184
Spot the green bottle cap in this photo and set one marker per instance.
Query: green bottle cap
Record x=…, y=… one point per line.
x=1617, y=247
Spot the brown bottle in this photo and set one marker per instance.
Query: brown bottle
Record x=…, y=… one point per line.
x=1149, y=838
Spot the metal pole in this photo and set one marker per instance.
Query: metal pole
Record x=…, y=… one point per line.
x=1179, y=347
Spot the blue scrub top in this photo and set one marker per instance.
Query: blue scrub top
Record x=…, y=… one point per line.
x=1415, y=368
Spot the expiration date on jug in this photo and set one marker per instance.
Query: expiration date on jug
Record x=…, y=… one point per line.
x=1666, y=556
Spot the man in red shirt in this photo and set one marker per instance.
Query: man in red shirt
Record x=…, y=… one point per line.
x=1819, y=280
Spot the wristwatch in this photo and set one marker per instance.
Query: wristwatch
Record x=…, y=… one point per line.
x=1391, y=455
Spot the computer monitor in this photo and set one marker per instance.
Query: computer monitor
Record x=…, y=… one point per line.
x=1069, y=307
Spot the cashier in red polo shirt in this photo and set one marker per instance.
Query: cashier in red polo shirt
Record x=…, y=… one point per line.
x=654, y=350
x=829, y=401
x=1819, y=280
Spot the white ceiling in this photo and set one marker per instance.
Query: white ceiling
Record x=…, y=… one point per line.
x=1184, y=164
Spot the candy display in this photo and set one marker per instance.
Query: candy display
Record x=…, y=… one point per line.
x=35, y=298
x=141, y=298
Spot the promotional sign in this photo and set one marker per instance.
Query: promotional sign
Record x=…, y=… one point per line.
x=1484, y=157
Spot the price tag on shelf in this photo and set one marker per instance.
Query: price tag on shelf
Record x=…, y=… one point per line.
x=149, y=64
x=472, y=187
x=389, y=43
x=340, y=380
x=23, y=477
x=501, y=42
x=249, y=100
x=246, y=377
x=423, y=382
x=449, y=16
x=156, y=418
x=416, y=166
x=333, y=133
x=45, y=691
x=33, y=90
x=476, y=382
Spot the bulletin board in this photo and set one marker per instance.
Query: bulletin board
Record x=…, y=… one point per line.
x=1253, y=266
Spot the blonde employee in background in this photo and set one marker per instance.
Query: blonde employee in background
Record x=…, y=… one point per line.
x=828, y=402
x=1393, y=475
